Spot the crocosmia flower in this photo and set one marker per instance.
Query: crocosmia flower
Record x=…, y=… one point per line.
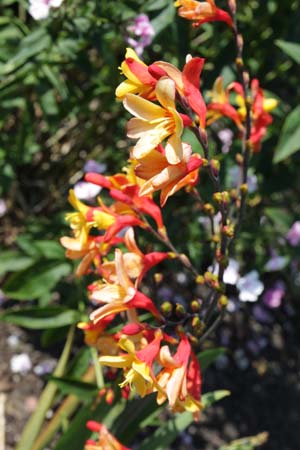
x=202, y=12
x=105, y=441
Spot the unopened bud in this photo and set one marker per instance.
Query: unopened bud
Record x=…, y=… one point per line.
x=166, y=308
x=203, y=136
x=240, y=42
x=195, y=306
x=158, y=277
x=239, y=159
x=215, y=238
x=209, y=209
x=233, y=194
x=221, y=197
x=180, y=310
x=244, y=188
x=232, y=6
x=200, y=279
x=215, y=167
x=228, y=230
x=223, y=301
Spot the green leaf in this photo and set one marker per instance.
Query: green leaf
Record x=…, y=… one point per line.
x=289, y=141
x=32, y=45
x=81, y=389
x=13, y=261
x=210, y=398
x=247, y=443
x=207, y=357
x=77, y=433
x=164, y=19
x=290, y=48
x=35, y=281
x=167, y=433
x=41, y=318
x=280, y=217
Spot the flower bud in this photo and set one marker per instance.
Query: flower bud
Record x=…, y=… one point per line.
x=200, y=279
x=166, y=308
x=195, y=306
x=209, y=209
x=180, y=310
x=244, y=188
x=239, y=159
x=215, y=167
x=158, y=277
x=223, y=301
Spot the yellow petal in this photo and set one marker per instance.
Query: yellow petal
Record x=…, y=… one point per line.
x=269, y=104
x=116, y=361
x=165, y=92
x=126, y=87
x=141, y=108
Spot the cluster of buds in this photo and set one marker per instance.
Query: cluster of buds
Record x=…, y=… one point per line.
x=156, y=356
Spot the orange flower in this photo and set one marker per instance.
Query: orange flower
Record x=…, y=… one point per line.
x=125, y=189
x=106, y=441
x=180, y=381
x=119, y=296
x=260, y=108
x=136, y=263
x=202, y=12
x=160, y=175
x=136, y=364
x=139, y=80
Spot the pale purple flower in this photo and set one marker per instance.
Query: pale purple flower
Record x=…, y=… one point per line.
x=235, y=179
x=250, y=287
x=276, y=262
x=45, y=367
x=205, y=221
x=293, y=235
x=20, y=363
x=273, y=296
x=86, y=191
x=225, y=137
x=93, y=166
x=39, y=9
x=231, y=273
x=142, y=33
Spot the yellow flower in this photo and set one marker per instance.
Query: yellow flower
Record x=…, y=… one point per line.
x=137, y=365
x=139, y=81
x=153, y=123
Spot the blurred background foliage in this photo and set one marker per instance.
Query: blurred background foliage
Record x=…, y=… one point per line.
x=58, y=110
x=57, y=81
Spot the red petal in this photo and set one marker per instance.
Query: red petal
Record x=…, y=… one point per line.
x=191, y=81
x=97, y=179
x=140, y=71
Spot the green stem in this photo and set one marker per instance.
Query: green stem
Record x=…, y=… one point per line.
x=98, y=368
x=33, y=426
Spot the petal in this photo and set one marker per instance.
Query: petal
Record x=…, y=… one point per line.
x=174, y=151
x=141, y=108
x=165, y=92
x=137, y=127
x=126, y=87
x=116, y=361
x=172, y=72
